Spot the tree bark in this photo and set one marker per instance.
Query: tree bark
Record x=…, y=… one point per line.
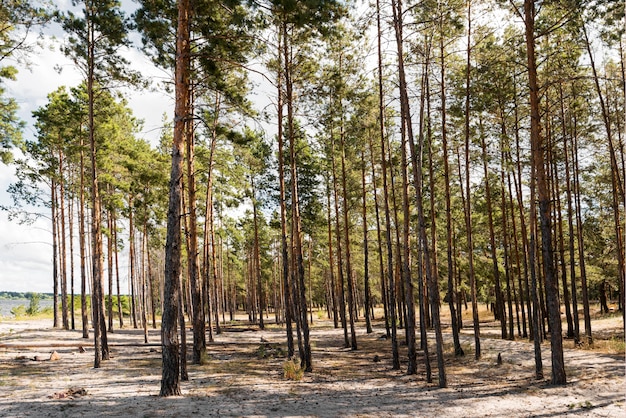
x=381, y=265
x=346, y=231
x=282, y=35
x=199, y=334
x=543, y=196
x=170, y=379
x=366, y=274
x=81, y=239
x=97, y=300
x=55, y=254
x=492, y=243
x=385, y=166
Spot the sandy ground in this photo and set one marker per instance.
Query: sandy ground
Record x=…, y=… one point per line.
x=243, y=376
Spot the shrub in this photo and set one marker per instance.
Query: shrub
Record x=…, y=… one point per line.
x=19, y=311
x=33, y=308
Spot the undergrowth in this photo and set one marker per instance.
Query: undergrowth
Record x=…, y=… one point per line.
x=292, y=370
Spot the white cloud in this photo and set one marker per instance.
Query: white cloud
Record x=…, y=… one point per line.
x=26, y=250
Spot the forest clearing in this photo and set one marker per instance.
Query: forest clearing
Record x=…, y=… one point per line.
x=430, y=158
x=243, y=375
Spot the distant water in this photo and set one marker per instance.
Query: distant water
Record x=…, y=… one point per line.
x=7, y=304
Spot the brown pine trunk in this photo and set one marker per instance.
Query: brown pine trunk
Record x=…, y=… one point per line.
x=510, y=283
x=214, y=282
x=110, y=270
x=617, y=181
x=257, y=256
x=71, y=236
x=417, y=163
x=296, y=226
x=492, y=241
x=195, y=283
x=101, y=350
x=131, y=261
x=517, y=181
x=170, y=379
x=366, y=274
x=581, y=244
x=383, y=152
x=570, y=230
x=341, y=294
x=144, y=282
x=543, y=198
x=283, y=199
x=346, y=229
x=184, y=374
x=406, y=129
x=62, y=255
x=561, y=250
x=331, y=262
x=55, y=254
x=381, y=266
x=81, y=239
x=117, y=273
x=467, y=200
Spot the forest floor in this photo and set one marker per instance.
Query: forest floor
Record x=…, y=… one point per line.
x=243, y=375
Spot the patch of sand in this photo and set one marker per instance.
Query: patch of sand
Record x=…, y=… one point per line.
x=243, y=376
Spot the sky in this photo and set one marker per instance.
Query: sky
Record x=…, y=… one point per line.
x=26, y=250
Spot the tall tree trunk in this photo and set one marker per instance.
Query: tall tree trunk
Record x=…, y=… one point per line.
x=110, y=270
x=518, y=259
x=199, y=334
x=132, y=262
x=81, y=240
x=257, y=255
x=416, y=158
x=451, y=292
x=214, y=273
x=543, y=197
x=581, y=244
x=570, y=222
x=170, y=379
x=561, y=249
x=406, y=131
x=101, y=350
x=517, y=181
x=144, y=281
x=207, y=252
x=331, y=262
x=71, y=236
x=467, y=206
x=617, y=181
x=385, y=166
x=510, y=283
x=283, y=199
x=300, y=300
x=184, y=374
x=346, y=230
x=366, y=271
x=55, y=254
x=117, y=273
x=492, y=240
x=381, y=265
x=341, y=294
x=62, y=255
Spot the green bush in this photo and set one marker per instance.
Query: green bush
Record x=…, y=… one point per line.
x=19, y=311
x=33, y=308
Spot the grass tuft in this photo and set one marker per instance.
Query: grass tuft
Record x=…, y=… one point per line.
x=292, y=370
